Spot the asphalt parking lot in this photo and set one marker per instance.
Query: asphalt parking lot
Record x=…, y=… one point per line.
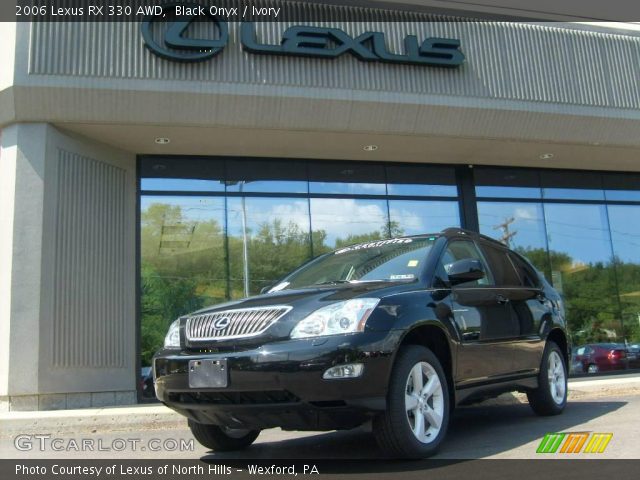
x=505, y=429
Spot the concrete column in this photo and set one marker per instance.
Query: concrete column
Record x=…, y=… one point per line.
x=67, y=277
x=22, y=160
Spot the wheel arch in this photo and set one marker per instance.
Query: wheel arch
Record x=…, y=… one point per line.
x=434, y=336
x=559, y=337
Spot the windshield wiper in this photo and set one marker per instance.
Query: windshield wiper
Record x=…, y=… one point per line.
x=333, y=282
x=355, y=282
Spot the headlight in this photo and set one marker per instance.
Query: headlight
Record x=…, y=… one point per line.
x=343, y=317
x=172, y=340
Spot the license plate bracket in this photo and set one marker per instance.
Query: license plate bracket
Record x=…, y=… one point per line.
x=208, y=373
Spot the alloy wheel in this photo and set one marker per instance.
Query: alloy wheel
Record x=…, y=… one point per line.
x=424, y=402
x=557, y=378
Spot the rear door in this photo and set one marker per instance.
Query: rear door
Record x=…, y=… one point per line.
x=526, y=304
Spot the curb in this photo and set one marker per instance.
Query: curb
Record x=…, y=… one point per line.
x=90, y=420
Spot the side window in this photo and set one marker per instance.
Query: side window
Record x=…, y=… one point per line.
x=459, y=250
x=528, y=276
x=505, y=274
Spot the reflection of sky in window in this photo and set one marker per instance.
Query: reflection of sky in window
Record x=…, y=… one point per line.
x=573, y=193
x=266, y=210
x=192, y=208
x=579, y=230
x=348, y=188
x=416, y=217
x=508, y=192
x=528, y=222
x=628, y=195
x=270, y=186
x=181, y=184
x=342, y=217
x=423, y=190
x=625, y=231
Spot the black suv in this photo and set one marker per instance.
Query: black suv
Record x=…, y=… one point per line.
x=394, y=331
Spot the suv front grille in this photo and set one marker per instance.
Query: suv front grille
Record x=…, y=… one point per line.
x=247, y=322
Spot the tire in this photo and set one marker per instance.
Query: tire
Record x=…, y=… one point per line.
x=221, y=439
x=394, y=429
x=550, y=397
x=592, y=368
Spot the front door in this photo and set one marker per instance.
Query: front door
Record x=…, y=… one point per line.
x=483, y=318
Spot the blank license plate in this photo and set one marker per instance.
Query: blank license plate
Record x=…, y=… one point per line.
x=208, y=373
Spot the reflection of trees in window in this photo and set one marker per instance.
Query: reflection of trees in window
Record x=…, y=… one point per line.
x=275, y=249
x=182, y=267
x=589, y=290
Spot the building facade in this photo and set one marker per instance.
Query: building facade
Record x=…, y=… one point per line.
x=137, y=185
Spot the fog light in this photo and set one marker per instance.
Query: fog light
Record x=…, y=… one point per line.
x=352, y=370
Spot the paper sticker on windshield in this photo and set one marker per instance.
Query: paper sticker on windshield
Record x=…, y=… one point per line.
x=412, y=263
x=280, y=286
x=377, y=243
x=407, y=276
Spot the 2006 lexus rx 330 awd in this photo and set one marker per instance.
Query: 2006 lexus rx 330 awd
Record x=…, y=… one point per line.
x=394, y=331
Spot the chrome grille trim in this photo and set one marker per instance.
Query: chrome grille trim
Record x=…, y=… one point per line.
x=243, y=323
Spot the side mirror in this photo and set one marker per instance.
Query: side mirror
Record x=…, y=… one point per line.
x=465, y=270
x=265, y=289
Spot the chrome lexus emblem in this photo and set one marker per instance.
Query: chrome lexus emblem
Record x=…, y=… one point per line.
x=221, y=323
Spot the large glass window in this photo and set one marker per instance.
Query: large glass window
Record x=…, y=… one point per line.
x=413, y=217
x=177, y=174
x=583, y=270
x=625, y=235
x=217, y=229
x=214, y=229
x=507, y=183
x=268, y=237
x=266, y=176
x=518, y=225
x=583, y=230
x=183, y=264
x=336, y=222
x=421, y=181
x=347, y=178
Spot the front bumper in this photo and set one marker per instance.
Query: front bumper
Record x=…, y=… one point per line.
x=280, y=384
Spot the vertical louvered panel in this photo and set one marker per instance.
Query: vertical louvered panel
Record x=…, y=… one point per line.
x=89, y=298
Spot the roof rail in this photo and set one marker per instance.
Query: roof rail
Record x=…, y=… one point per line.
x=457, y=230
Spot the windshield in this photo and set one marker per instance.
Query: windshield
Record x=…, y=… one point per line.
x=394, y=260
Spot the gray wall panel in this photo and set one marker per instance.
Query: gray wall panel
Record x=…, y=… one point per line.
x=528, y=62
x=90, y=297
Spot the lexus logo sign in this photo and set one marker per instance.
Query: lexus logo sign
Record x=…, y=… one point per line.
x=177, y=45
x=298, y=40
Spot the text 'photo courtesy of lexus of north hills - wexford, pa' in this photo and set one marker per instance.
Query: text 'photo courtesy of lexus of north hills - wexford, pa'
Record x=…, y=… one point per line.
x=397, y=332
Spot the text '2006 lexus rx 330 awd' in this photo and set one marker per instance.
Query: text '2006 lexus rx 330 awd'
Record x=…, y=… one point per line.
x=397, y=332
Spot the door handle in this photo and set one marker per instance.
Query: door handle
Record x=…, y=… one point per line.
x=502, y=300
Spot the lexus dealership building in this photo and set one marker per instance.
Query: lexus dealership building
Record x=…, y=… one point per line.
x=151, y=167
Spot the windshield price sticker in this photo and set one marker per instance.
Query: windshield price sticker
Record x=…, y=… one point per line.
x=379, y=243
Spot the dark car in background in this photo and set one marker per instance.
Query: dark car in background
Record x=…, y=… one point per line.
x=633, y=355
x=600, y=357
x=397, y=332
x=146, y=382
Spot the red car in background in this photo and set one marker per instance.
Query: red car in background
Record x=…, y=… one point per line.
x=600, y=357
